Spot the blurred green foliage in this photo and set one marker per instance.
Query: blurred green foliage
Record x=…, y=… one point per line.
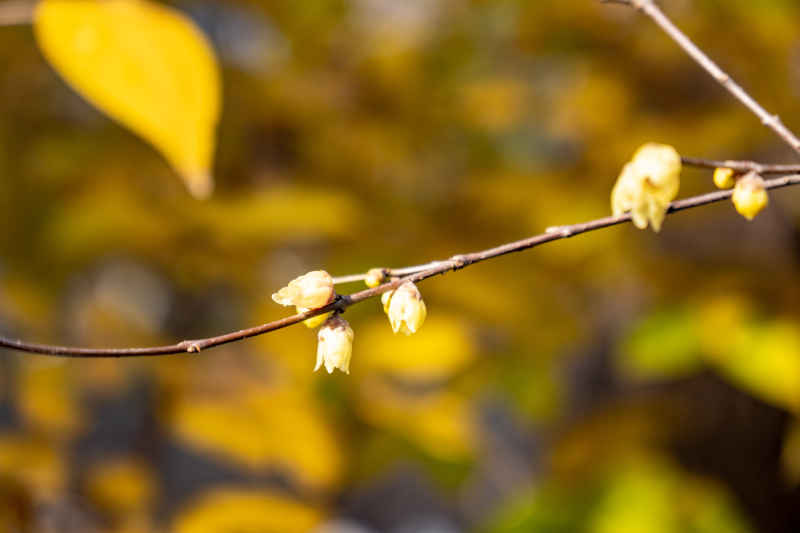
x=620, y=381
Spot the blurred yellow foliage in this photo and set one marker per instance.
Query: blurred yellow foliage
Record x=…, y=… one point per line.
x=232, y=509
x=47, y=398
x=495, y=104
x=260, y=428
x=439, y=422
x=121, y=486
x=764, y=359
x=648, y=495
x=145, y=65
x=34, y=463
x=445, y=348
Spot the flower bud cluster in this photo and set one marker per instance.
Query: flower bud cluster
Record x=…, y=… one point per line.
x=403, y=306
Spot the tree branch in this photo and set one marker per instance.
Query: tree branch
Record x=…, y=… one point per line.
x=414, y=274
x=773, y=122
x=740, y=166
x=16, y=13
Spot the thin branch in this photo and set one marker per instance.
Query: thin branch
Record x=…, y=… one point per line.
x=414, y=274
x=16, y=13
x=773, y=122
x=741, y=166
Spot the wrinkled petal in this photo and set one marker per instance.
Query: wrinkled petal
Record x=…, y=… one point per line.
x=335, y=345
x=405, y=309
x=309, y=291
x=647, y=184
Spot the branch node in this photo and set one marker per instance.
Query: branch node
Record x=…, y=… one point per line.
x=340, y=303
x=192, y=347
x=459, y=261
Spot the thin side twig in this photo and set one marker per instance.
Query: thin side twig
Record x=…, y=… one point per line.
x=740, y=166
x=341, y=303
x=773, y=122
x=16, y=13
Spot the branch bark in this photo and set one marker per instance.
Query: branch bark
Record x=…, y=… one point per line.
x=16, y=13
x=773, y=122
x=414, y=274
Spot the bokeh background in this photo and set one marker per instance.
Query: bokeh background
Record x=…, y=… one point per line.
x=617, y=382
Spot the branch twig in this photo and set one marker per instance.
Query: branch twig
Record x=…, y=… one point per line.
x=773, y=122
x=741, y=166
x=414, y=274
x=16, y=13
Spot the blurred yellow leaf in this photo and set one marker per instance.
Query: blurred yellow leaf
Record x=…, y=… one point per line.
x=442, y=348
x=145, y=65
x=495, y=104
x=663, y=345
x=764, y=359
x=47, y=400
x=261, y=429
x=232, y=509
x=441, y=422
x=120, y=485
x=34, y=463
x=649, y=495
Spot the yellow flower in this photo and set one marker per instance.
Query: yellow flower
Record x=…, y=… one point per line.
x=309, y=291
x=335, y=345
x=724, y=177
x=405, y=308
x=647, y=184
x=375, y=277
x=750, y=196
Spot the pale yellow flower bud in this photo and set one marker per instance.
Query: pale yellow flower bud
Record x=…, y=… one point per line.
x=750, y=196
x=724, y=178
x=405, y=308
x=375, y=277
x=309, y=291
x=335, y=345
x=647, y=184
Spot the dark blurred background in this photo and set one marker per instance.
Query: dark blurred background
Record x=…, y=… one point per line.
x=617, y=382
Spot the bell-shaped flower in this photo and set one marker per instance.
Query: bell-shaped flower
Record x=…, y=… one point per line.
x=750, y=196
x=335, y=345
x=405, y=308
x=309, y=291
x=647, y=184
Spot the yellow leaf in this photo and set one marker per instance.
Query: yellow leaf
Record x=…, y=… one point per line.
x=145, y=65
x=262, y=429
x=764, y=359
x=121, y=485
x=234, y=509
x=439, y=422
x=47, y=400
x=442, y=348
x=35, y=462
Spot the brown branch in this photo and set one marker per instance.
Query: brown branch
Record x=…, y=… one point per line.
x=741, y=166
x=414, y=274
x=16, y=13
x=773, y=122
